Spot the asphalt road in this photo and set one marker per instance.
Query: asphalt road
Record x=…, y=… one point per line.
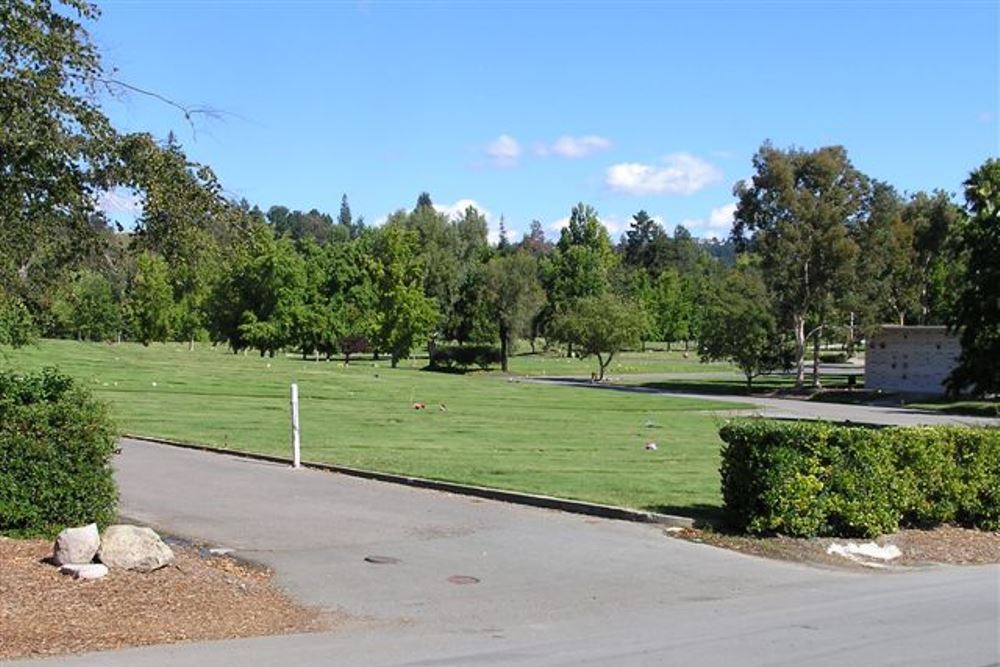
x=554, y=589
x=789, y=408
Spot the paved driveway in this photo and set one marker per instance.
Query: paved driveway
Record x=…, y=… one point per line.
x=555, y=589
x=789, y=407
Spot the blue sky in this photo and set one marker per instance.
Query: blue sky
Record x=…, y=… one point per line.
x=526, y=108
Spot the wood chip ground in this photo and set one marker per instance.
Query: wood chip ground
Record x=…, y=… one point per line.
x=945, y=545
x=44, y=613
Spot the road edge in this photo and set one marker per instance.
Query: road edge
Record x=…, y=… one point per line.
x=501, y=495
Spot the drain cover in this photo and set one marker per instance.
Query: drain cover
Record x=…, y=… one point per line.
x=462, y=579
x=382, y=560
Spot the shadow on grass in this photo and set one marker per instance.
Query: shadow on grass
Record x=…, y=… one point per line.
x=764, y=387
x=704, y=515
x=968, y=408
x=453, y=370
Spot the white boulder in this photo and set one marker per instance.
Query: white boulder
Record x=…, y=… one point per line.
x=85, y=570
x=76, y=545
x=133, y=548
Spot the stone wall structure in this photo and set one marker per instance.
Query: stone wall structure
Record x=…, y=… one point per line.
x=910, y=359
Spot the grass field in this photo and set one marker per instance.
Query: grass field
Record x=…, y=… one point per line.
x=570, y=442
x=624, y=363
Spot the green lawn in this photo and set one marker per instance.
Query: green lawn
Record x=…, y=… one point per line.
x=571, y=442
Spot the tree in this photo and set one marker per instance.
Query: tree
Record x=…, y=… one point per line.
x=534, y=241
x=977, y=316
x=886, y=287
x=150, y=300
x=799, y=210
x=57, y=149
x=646, y=244
x=602, y=326
x=405, y=314
x=515, y=297
x=86, y=308
x=16, y=326
x=348, y=227
x=671, y=308
x=933, y=220
x=739, y=327
x=424, y=201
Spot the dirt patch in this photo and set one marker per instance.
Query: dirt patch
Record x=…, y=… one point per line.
x=201, y=597
x=945, y=544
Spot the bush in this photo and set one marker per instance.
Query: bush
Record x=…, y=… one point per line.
x=56, y=444
x=833, y=357
x=464, y=356
x=806, y=479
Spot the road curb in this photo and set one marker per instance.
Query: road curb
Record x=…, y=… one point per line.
x=515, y=497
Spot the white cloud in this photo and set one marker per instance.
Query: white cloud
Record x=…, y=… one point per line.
x=557, y=225
x=717, y=224
x=504, y=151
x=722, y=217
x=574, y=147
x=678, y=173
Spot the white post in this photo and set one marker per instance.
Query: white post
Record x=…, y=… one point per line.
x=296, y=453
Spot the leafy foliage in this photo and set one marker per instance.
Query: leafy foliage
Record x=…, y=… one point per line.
x=807, y=479
x=56, y=445
x=464, y=356
x=739, y=327
x=978, y=308
x=601, y=326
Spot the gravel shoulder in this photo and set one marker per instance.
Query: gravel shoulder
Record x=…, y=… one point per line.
x=44, y=613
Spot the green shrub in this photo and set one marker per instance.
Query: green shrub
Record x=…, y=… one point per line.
x=56, y=444
x=833, y=357
x=929, y=475
x=978, y=455
x=464, y=356
x=805, y=479
x=862, y=496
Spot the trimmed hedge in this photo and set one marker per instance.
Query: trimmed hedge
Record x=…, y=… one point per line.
x=56, y=444
x=464, y=356
x=813, y=478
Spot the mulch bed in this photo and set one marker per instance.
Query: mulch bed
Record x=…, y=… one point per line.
x=944, y=544
x=44, y=613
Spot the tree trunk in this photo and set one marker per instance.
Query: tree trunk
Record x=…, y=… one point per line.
x=749, y=383
x=668, y=346
x=816, y=336
x=393, y=360
x=504, y=347
x=569, y=350
x=191, y=343
x=533, y=344
x=800, y=350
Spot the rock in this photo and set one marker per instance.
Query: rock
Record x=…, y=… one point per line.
x=76, y=545
x=85, y=570
x=134, y=548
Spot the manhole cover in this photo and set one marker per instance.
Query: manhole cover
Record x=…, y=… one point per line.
x=462, y=579
x=381, y=560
